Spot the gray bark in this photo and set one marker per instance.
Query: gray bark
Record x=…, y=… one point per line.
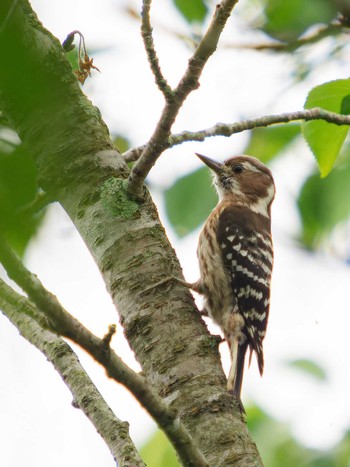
x=78, y=166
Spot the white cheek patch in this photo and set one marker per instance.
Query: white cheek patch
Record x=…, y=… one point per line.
x=261, y=206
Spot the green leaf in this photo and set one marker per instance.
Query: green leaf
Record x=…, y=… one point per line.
x=326, y=139
x=324, y=203
x=192, y=10
x=310, y=368
x=189, y=201
x=277, y=445
x=158, y=452
x=287, y=20
x=18, y=189
x=267, y=143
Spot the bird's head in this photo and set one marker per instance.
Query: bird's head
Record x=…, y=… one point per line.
x=244, y=177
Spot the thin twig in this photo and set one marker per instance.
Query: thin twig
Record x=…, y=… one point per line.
x=68, y=326
x=341, y=24
x=189, y=82
x=321, y=33
x=86, y=396
x=229, y=129
x=107, y=338
x=146, y=33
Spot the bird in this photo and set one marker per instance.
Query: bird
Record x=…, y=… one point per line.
x=235, y=254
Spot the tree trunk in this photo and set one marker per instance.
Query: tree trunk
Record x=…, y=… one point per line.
x=78, y=166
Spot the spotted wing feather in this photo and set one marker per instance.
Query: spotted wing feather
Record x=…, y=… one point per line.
x=246, y=250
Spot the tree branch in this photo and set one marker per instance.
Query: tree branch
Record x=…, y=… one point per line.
x=189, y=82
x=229, y=129
x=86, y=396
x=68, y=326
x=146, y=32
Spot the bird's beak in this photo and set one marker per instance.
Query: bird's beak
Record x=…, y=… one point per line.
x=213, y=165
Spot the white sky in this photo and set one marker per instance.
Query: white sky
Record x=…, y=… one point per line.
x=309, y=311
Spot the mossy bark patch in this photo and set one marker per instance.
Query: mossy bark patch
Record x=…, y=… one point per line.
x=115, y=199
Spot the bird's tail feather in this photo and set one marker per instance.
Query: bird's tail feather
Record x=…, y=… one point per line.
x=235, y=377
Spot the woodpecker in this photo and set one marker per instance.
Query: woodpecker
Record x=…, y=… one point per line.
x=235, y=256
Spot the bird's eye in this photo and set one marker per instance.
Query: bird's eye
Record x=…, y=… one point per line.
x=237, y=169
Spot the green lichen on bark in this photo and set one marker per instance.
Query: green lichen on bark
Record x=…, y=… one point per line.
x=115, y=199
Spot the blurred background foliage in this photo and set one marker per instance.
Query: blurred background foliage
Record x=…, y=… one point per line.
x=323, y=203
x=18, y=191
x=277, y=446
